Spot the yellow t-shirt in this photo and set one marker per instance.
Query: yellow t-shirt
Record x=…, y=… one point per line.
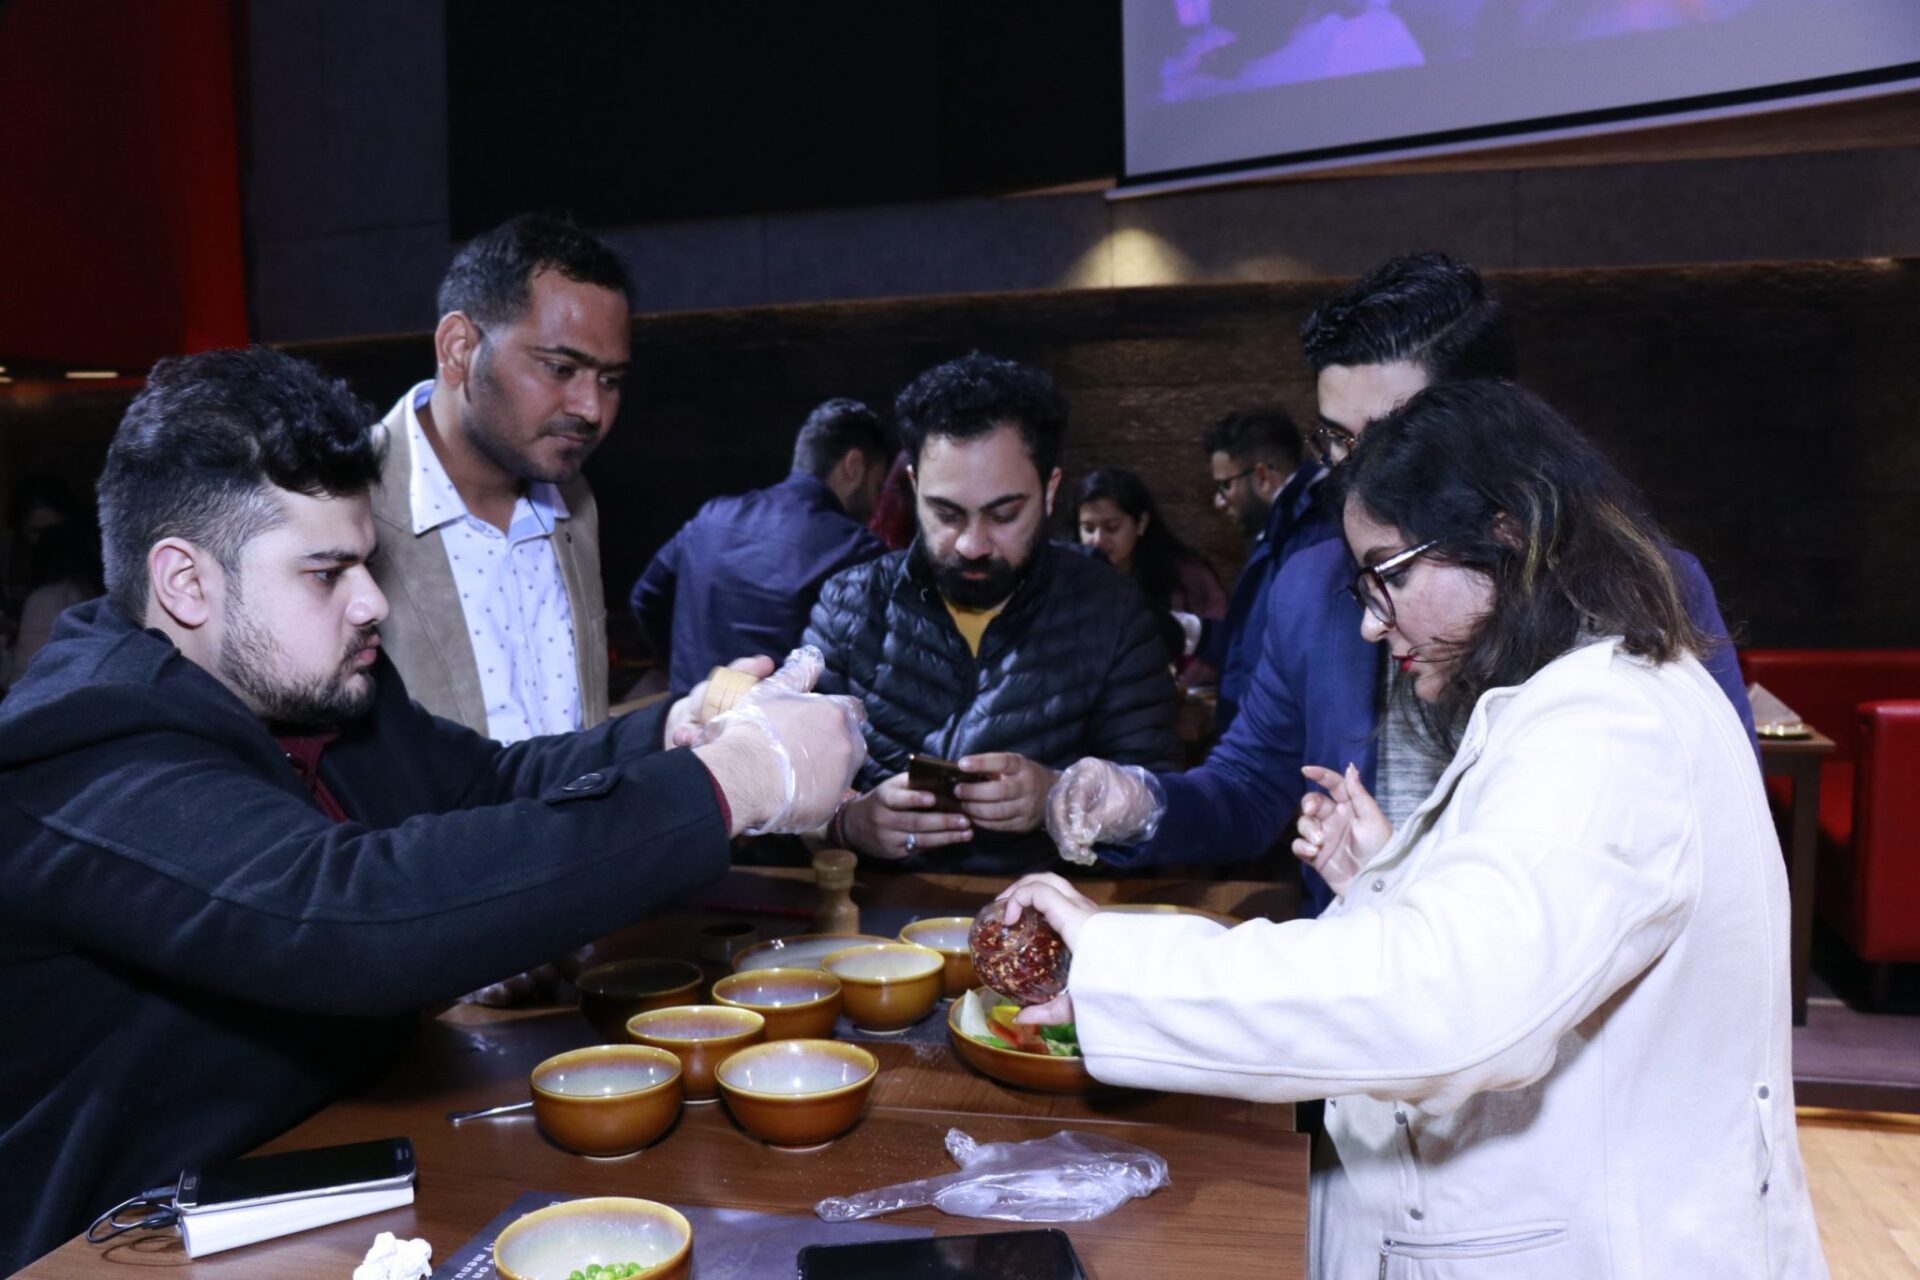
x=972, y=622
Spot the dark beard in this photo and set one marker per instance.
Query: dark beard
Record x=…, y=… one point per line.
x=247, y=659
x=980, y=593
x=1253, y=518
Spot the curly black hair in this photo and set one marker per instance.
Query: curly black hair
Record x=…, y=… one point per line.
x=201, y=448
x=977, y=394
x=1424, y=307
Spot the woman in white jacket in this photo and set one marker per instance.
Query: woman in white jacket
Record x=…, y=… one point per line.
x=1550, y=1013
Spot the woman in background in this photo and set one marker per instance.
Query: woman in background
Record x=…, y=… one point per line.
x=1119, y=518
x=1549, y=1014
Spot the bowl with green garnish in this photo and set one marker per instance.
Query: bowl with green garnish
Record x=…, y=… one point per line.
x=983, y=1031
x=601, y=1238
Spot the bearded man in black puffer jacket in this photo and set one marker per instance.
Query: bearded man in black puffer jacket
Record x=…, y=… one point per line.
x=983, y=642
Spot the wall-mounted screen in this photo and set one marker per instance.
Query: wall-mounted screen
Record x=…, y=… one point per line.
x=1218, y=87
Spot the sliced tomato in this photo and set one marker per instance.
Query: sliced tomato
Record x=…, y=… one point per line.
x=1018, y=1034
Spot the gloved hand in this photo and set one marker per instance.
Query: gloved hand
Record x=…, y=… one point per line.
x=1189, y=631
x=1099, y=802
x=812, y=740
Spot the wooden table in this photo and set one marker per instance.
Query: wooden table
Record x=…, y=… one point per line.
x=1237, y=1204
x=1799, y=759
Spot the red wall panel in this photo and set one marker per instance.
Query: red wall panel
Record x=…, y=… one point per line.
x=120, y=227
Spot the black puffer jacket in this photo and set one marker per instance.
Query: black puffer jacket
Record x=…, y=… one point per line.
x=1072, y=667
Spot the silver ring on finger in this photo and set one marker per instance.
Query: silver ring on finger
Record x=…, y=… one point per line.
x=912, y=842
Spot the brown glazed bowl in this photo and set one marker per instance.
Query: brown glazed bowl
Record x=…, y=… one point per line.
x=798, y=1004
x=569, y=1236
x=612, y=993
x=887, y=986
x=606, y=1099
x=1039, y=1071
x=798, y=1094
x=798, y=951
x=701, y=1036
x=948, y=936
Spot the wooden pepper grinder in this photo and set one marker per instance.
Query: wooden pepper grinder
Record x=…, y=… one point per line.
x=833, y=875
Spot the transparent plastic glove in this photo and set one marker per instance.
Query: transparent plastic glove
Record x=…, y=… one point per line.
x=1100, y=802
x=1189, y=632
x=1069, y=1177
x=815, y=740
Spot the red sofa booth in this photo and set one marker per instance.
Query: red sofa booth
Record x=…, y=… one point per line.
x=1868, y=702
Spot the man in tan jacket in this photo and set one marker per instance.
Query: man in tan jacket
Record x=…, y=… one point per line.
x=489, y=538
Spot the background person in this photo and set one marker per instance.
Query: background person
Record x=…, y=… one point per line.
x=1118, y=517
x=489, y=536
x=742, y=575
x=1264, y=481
x=1550, y=1012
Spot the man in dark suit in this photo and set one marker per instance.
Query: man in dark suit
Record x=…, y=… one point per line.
x=1264, y=480
x=742, y=575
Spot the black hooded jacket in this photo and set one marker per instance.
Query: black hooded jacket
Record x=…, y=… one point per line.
x=1073, y=666
x=194, y=958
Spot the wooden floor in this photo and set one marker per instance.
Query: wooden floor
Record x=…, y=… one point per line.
x=1864, y=1171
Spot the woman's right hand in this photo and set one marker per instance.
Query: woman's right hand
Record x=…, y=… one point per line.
x=1067, y=910
x=1341, y=830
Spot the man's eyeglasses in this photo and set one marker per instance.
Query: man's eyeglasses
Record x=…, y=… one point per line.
x=1220, y=487
x=1369, y=586
x=1333, y=442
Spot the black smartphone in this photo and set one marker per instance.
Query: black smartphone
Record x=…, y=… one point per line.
x=932, y=774
x=1038, y=1254
x=295, y=1175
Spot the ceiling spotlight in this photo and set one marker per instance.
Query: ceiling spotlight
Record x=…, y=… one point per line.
x=93, y=374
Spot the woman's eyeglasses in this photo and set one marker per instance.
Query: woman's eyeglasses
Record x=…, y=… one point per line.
x=1369, y=586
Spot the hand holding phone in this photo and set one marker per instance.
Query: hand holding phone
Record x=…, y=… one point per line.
x=938, y=778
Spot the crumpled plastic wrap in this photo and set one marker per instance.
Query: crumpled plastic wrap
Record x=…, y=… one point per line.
x=1069, y=1177
x=810, y=794
x=1100, y=802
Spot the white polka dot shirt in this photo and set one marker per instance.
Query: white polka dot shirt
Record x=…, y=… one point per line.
x=511, y=591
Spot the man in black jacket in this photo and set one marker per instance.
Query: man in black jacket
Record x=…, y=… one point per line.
x=239, y=859
x=983, y=642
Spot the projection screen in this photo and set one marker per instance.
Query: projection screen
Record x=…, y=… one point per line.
x=1218, y=89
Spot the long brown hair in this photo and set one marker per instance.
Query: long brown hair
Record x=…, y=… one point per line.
x=1508, y=487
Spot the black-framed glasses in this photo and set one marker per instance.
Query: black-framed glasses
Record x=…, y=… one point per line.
x=1369, y=586
x=1334, y=442
x=1220, y=487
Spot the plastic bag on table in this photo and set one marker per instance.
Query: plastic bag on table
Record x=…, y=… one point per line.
x=1069, y=1177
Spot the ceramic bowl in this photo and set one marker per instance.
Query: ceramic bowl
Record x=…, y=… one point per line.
x=1012, y=1066
x=701, y=1036
x=567, y=1237
x=798, y=951
x=887, y=986
x=798, y=1004
x=607, y=1099
x=948, y=936
x=798, y=1094
x=612, y=993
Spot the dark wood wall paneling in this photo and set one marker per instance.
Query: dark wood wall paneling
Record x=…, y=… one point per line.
x=1768, y=410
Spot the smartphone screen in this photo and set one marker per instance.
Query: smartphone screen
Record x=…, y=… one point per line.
x=938, y=777
x=1004, y=1255
x=288, y=1175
